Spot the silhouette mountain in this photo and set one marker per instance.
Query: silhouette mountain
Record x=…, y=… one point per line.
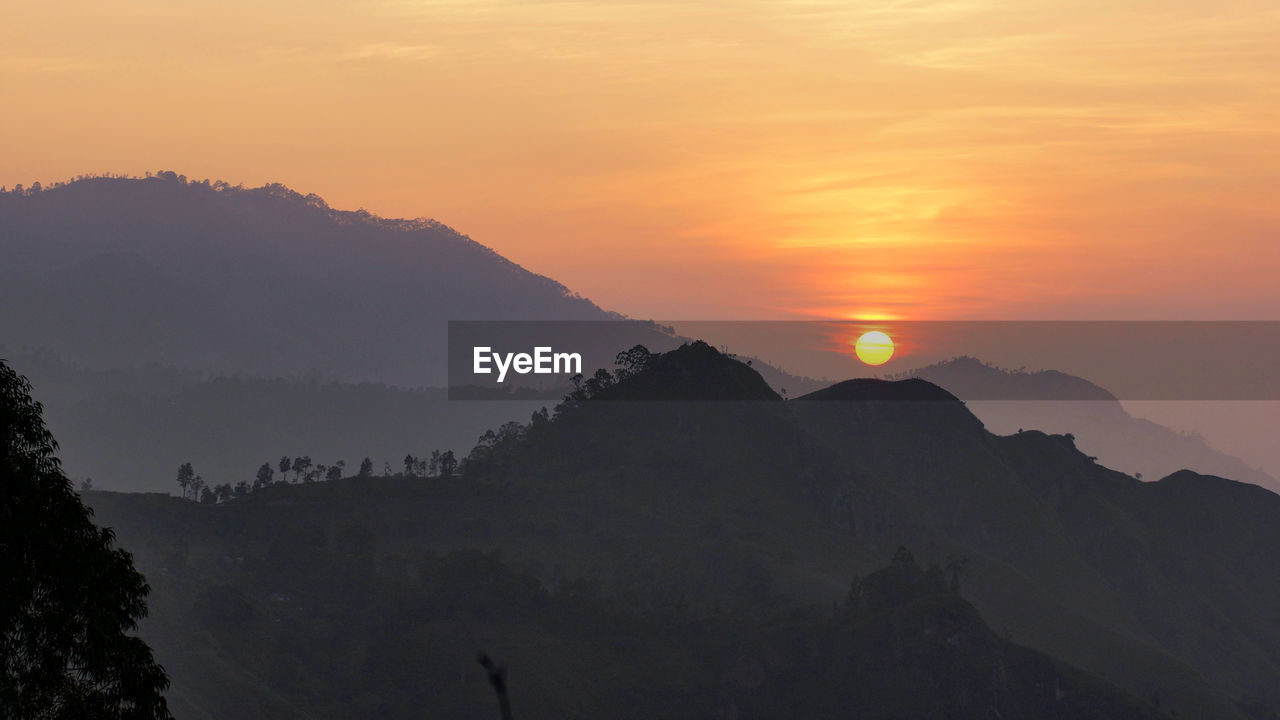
x=712, y=503
x=693, y=372
x=907, y=646
x=306, y=627
x=1055, y=402
x=908, y=460
x=876, y=390
x=265, y=280
x=970, y=378
x=173, y=281
x=130, y=428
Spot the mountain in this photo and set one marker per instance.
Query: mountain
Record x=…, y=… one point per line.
x=130, y=428
x=307, y=627
x=683, y=500
x=114, y=272
x=177, y=284
x=166, y=321
x=1055, y=402
x=304, y=628
x=970, y=378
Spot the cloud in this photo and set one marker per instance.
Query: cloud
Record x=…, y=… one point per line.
x=393, y=51
x=33, y=64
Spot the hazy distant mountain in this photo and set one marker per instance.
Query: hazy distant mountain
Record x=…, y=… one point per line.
x=713, y=506
x=129, y=429
x=164, y=321
x=110, y=272
x=970, y=378
x=1059, y=403
x=131, y=303
x=174, y=283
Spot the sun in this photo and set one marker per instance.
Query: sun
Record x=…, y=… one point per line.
x=874, y=348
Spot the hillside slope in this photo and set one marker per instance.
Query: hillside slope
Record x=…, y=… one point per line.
x=1058, y=403
x=325, y=622
x=110, y=272
x=733, y=503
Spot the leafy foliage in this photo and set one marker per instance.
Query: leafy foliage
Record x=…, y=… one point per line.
x=71, y=598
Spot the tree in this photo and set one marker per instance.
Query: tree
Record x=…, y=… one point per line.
x=70, y=596
x=264, y=476
x=86, y=485
x=241, y=489
x=300, y=466
x=366, y=469
x=433, y=465
x=223, y=492
x=284, y=468
x=410, y=463
x=197, y=484
x=601, y=380
x=633, y=361
x=186, y=477
x=448, y=463
x=208, y=496
x=335, y=470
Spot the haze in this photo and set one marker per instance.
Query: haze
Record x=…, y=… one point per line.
x=753, y=159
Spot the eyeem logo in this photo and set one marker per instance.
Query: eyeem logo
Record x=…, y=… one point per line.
x=542, y=362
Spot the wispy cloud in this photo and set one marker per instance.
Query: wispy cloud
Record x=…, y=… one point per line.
x=392, y=51
x=794, y=154
x=34, y=64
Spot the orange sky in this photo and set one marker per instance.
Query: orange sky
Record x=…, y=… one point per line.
x=725, y=159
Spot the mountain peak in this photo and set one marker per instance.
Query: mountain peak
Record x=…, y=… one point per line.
x=972, y=379
x=693, y=371
x=265, y=281
x=911, y=389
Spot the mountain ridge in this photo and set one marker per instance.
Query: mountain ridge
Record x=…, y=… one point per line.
x=1009, y=401
x=942, y=475
x=732, y=503
x=208, y=276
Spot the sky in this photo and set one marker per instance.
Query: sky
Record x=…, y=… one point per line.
x=731, y=159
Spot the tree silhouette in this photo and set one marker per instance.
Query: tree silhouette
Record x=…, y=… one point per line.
x=300, y=466
x=335, y=470
x=633, y=361
x=186, y=477
x=284, y=468
x=448, y=463
x=70, y=596
x=264, y=476
x=366, y=469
